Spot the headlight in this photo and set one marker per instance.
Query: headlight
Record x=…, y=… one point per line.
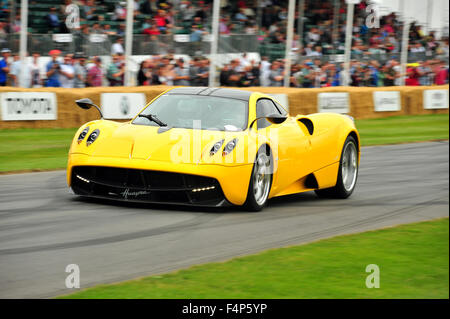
x=229, y=147
x=91, y=139
x=83, y=135
x=216, y=147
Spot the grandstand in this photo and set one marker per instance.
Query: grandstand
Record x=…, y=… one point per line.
x=183, y=28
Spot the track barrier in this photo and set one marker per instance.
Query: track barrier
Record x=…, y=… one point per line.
x=56, y=108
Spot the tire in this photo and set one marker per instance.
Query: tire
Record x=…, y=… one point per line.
x=348, y=172
x=260, y=181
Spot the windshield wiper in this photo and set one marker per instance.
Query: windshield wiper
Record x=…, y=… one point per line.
x=153, y=118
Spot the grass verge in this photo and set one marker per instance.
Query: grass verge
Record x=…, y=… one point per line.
x=403, y=129
x=34, y=149
x=413, y=261
x=43, y=149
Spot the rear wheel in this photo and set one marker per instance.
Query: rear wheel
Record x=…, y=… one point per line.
x=348, y=172
x=260, y=181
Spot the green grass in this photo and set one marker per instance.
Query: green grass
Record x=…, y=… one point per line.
x=34, y=149
x=413, y=261
x=41, y=149
x=403, y=129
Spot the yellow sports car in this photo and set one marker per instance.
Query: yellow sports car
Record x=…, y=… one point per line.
x=214, y=147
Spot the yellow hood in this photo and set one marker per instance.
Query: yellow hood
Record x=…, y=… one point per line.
x=176, y=145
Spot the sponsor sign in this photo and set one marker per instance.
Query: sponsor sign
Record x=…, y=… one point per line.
x=181, y=38
x=334, y=102
x=207, y=38
x=337, y=58
x=28, y=106
x=97, y=38
x=435, y=99
x=122, y=105
x=62, y=37
x=282, y=99
x=387, y=101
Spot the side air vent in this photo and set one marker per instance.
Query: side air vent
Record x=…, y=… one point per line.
x=311, y=182
x=309, y=125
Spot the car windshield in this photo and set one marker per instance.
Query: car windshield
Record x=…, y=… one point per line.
x=196, y=111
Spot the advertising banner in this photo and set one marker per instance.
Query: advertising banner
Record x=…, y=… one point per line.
x=435, y=99
x=28, y=106
x=122, y=105
x=334, y=102
x=387, y=101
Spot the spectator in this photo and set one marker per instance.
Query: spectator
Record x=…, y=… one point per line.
x=426, y=76
x=412, y=75
x=36, y=81
x=389, y=75
x=148, y=7
x=80, y=71
x=117, y=47
x=152, y=30
x=67, y=72
x=166, y=74
x=234, y=75
x=95, y=73
x=203, y=72
x=4, y=9
x=161, y=21
x=307, y=75
x=108, y=31
x=276, y=74
x=143, y=74
x=224, y=74
x=264, y=71
x=188, y=11
x=120, y=11
x=121, y=31
x=53, y=20
x=147, y=74
x=196, y=33
x=4, y=66
x=441, y=74
x=14, y=70
x=15, y=25
x=397, y=69
x=181, y=73
x=88, y=10
x=53, y=69
x=115, y=71
x=97, y=29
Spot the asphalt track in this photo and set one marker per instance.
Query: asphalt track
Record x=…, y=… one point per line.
x=43, y=227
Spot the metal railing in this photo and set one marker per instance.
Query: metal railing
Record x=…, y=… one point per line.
x=181, y=44
x=142, y=44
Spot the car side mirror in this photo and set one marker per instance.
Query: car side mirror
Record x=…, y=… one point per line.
x=276, y=118
x=86, y=104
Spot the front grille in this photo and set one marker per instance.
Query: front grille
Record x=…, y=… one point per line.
x=146, y=186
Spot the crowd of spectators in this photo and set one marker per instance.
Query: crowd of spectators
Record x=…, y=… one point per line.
x=78, y=71
x=375, y=51
x=324, y=23
x=314, y=73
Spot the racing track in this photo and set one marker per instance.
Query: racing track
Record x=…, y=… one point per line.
x=43, y=227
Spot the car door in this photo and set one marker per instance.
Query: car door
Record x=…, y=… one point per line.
x=289, y=141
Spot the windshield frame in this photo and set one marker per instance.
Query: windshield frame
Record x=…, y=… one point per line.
x=240, y=129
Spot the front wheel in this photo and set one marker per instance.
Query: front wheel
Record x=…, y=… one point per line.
x=348, y=172
x=260, y=182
